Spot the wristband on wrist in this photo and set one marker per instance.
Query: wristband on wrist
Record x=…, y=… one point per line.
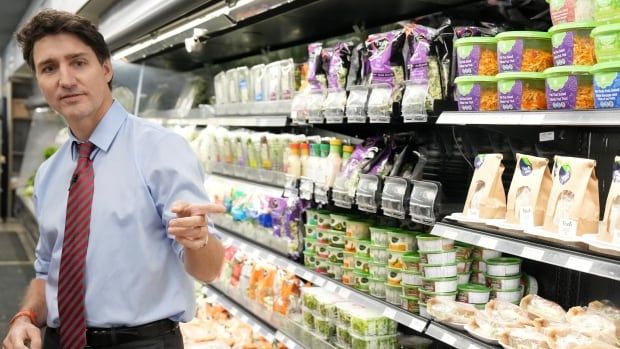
x=29, y=313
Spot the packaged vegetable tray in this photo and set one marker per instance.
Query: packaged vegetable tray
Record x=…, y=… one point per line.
x=569, y=88
x=476, y=56
x=572, y=44
x=524, y=51
x=521, y=91
x=365, y=322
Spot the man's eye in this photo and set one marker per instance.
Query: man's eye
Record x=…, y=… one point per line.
x=80, y=63
x=47, y=69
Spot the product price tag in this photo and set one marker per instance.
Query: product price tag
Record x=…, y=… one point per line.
x=579, y=264
x=417, y=324
x=567, y=227
x=389, y=313
x=280, y=337
x=319, y=282
x=308, y=276
x=449, y=234
x=526, y=216
x=487, y=242
x=331, y=287
x=448, y=339
x=269, y=337
x=532, y=253
x=344, y=293
x=257, y=328
x=546, y=136
x=473, y=346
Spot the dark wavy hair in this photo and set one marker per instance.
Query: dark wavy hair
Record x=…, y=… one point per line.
x=50, y=22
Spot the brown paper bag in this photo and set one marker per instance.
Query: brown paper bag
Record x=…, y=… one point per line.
x=610, y=229
x=529, y=191
x=573, y=208
x=486, y=197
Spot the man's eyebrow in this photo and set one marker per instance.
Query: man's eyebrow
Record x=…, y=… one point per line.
x=69, y=56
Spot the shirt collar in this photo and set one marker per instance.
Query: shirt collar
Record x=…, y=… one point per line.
x=105, y=131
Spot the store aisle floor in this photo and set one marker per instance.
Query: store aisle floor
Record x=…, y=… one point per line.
x=16, y=271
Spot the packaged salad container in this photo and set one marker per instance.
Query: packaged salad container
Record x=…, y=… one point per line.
x=337, y=238
x=358, y=229
x=410, y=304
x=485, y=253
x=310, y=297
x=309, y=245
x=350, y=245
x=323, y=236
x=309, y=259
x=463, y=265
x=479, y=264
x=334, y=270
x=412, y=278
x=321, y=264
x=402, y=240
x=440, y=285
x=423, y=311
x=572, y=44
x=312, y=217
x=308, y=318
x=521, y=91
x=503, y=266
x=440, y=257
x=310, y=231
x=335, y=254
x=478, y=277
x=349, y=259
x=606, y=85
x=344, y=310
x=378, y=270
x=324, y=327
x=373, y=342
x=394, y=276
x=362, y=281
x=377, y=288
x=568, y=11
x=379, y=254
x=476, y=56
x=411, y=291
x=569, y=87
x=365, y=322
x=425, y=296
x=439, y=271
x=393, y=293
x=411, y=262
x=362, y=263
x=348, y=276
x=476, y=93
x=473, y=294
x=524, y=51
x=362, y=247
x=338, y=221
x=343, y=335
x=322, y=251
x=324, y=219
x=463, y=278
x=606, y=11
x=379, y=235
x=463, y=250
x=395, y=259
x=432, y=243
x=607, y=42
x=502, y=282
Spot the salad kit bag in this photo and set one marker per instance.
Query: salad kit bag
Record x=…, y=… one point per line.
x=486, y=197
x=529, y=191
x=573, y=208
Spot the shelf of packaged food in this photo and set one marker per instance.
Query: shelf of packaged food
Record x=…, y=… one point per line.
x=259, y=325
x=215, y=179
x=533, y=118
x=566, y=258
x=241, y=121
x=289, y=328
x=453, y=338
x=269, y=178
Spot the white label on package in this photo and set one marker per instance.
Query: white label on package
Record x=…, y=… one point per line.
x=546, y=136
x=487, y=242
x=567, y=227
x=582, y=265
x=532, y=253
x=526, y=216
x=344, y=293
x=448, y=339
x=389, y=313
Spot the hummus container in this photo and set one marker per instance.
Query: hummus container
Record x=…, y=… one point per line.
x=432, y=243
x=377, y=288
x=362, y=247
x=348, y=276
x=322, y=251
x=379, y=254
x=402, y=241
x=439, y=271
x=394, y=276
x=484, y=253
x=524, y=51
x=358, y=229
x=338, y=222
x=309, y=244
x=479, y=264
x=478, y=277
x=476, y=93
x=393, y=293
x=410, y=304
x=606, y=85
x=312, y=217
x=362, y=263
x=324, y=219
x=323, y=236
x=463, y=266
x=568, y=11
x=521, y=91
x=473, y=294
x=569, y=88
x=510, y=296
x=503, y=282
x=309, y=259
x=425, y=296
x=378, y=270
x=310, y=231
x=350, y=245
x=336, y=239
x=320, y=265
x=379, y=235
x=606, y=11
x=441, y=285
x=503, y=266
x=374, y=342
x=395, y=259
x=362, y=281
x=411, y=262
x=336, y=255
x=365, y=322
x=463, y=251
x=572, y=44
x=463, y=278
x=348, y=260
x=445, y=257
x=334, y=271
x=411, y=278
x=411, y=291
x=476, y=56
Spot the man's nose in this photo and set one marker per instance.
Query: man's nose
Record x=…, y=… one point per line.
x=67, y=79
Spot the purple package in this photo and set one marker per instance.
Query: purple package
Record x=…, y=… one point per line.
x=339, y=65
x=278, y=213
x=386, y=61
x=314, y=65
x=419, y=40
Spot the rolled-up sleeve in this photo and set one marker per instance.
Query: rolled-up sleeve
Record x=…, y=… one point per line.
x=43, y=252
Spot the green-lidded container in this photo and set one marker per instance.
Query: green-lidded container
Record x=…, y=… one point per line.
x=395, y=259
x=411, y=291
x=503, y=266
x=310, y=231
x=336, y=239
x=349, y=260
x=607, y=43
x=334, y=270
x=394, y=276
x=440, y=285
x=438, y=258
x=439, y=271
x=478, y=277
x=312, y=217
x=379, y=235
x=362, y=263
x=335, y=255
x=362, y=281
x=379, y=254
x=377, y=287
x=479, y=264
x=323, y=236
x=432, y=243
x=463, y=265
x=411, y=262
x=343, y=337
x=412, y=278
x=521, y=91
x=463, y=250
x=350, y=244
x=309, y=245
x=511, y=296
x=324, y=219
x=572, y=44
x=393, y=293
x=338, y=221
x=485, y=253
x=524, y=51
x=402, y=240
x=567, y=11
x=606, y=11
x=320, y=265
x=476, y=93
x=378, y=270
x=463, y=278
x=476, y=56
x=358, y=229
x=473, y=294
x=606, y=85
x=309, y=259
x=425, y=296
x=322, y=251
x=569, y=87
x=362, y=247
x=503, y=282
x=348, y=276
x=411, y=304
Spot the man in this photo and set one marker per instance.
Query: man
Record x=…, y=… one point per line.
x=113, y=264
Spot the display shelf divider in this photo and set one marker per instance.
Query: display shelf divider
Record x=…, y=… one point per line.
x=566, y=258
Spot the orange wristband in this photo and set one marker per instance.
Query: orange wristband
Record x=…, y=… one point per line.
x=29, y=313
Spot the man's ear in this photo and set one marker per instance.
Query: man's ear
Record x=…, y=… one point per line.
x=107, y=69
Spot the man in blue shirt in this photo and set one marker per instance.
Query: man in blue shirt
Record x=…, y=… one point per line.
x=121, y=209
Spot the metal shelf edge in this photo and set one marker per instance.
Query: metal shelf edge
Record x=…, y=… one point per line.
x=533, y=118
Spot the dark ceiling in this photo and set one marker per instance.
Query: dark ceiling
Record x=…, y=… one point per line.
x=10, y=16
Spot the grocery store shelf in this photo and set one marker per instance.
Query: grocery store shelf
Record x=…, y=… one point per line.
x=215, y=179
x=269, y=178
x=456, y=339
x=249, y=121
x=550, y=118
x=575, y=260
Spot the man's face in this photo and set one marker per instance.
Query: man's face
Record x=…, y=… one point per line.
x=71, y=78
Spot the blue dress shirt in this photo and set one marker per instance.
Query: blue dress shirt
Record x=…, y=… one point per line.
x=134, y=270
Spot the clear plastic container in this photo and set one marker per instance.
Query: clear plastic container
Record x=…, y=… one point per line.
x=395, y=259
x=476, y=56
x=324, y=219
x=441, y=257
x=349, y=260
x=485, y=253
x=309, y=245
x=463, y=265
x=362, y=281
x=524, y=51
x=335, y=254
x=365, y=322
x=463, y=251
x=411, y=304
x=569, y=88
x=358, y=229
x=334, y=271
x=425, y=296
x=362, y=263
x=378, y=270
x=377, y=288
x=606, y=11
x=338, y=221
x=521, y=91
x=606, y=85
x=572, y=44
x=403, y=241
x=323, y=236
x=379, y=235
x=411, y=291
x=362, y=247
x=348, y=276
x=374, y=342
x=568, y=11
x=343, y=336
x=502, y=282
x=478, y=277
x=310, y=231
x=503, y=266
x=479, y=264
x=309, y=259
x=337, y=239
x=440, y=285
x=393, y=293
x=432, y=243
x=344, y=310
x=476, y=93
x=607, y=42
x=439, y=271
x=473, y=294
x=463, y=278
x=322, y=250
x=324, y=327
x=379, y=254
x=411, y=262
x=308, y=318
x=395, y=276
x=511, y=296
x=412, y=278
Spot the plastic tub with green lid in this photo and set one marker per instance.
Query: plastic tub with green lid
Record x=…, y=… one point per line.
x=572, y=44
x=473, y=294
x=504, y=266
x=521, y=91
x=568, y=11
x=606, y=85
x=569, y=87
x=524, y=51
x=476, y=56
x=476, y=93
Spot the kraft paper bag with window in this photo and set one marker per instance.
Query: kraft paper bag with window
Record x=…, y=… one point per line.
x=529, y=191
x=610, y=229
x=486, y=197
x=573, y=208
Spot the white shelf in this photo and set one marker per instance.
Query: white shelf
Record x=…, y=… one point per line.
x=601, y=266
x=215, y=180
x=540, y=118
x=245, y=121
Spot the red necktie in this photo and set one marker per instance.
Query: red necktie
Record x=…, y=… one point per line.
x=71, y=286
